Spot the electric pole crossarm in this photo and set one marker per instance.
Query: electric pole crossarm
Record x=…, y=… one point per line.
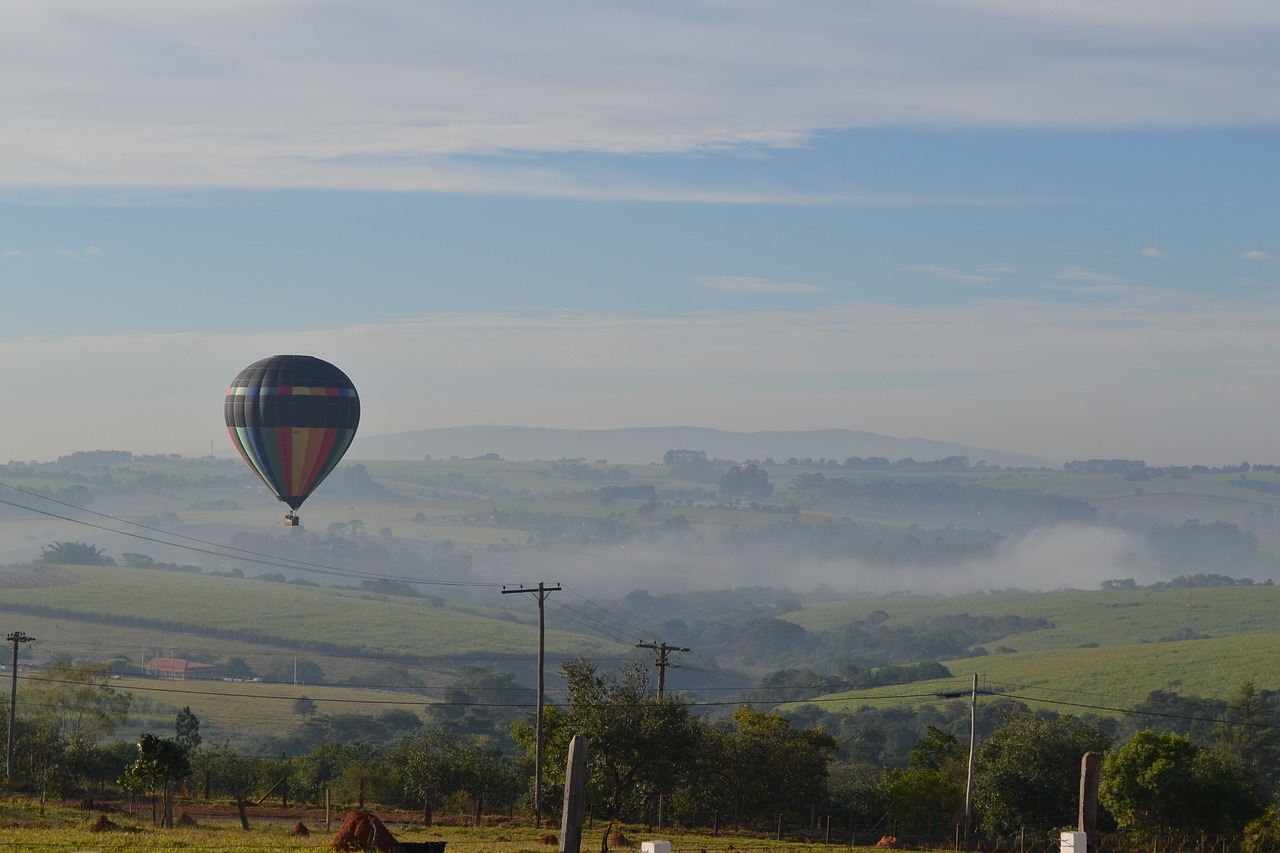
x=662, y=663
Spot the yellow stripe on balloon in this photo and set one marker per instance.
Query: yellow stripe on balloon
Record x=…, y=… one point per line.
x=298, y=456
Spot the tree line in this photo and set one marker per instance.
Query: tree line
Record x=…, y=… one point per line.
x=654, y=760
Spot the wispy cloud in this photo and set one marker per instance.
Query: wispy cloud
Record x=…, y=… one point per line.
x=1154, y=253
x=950, y=274
x=16, y=253
x=750, y=285
x=388, y=96
x=1257, y=255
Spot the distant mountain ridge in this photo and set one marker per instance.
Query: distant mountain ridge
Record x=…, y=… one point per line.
x=640, y=445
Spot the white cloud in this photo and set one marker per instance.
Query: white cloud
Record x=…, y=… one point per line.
x=1154, y=253
x=950, y=274
x=348, y=94
x=1257, y=255
x=750, y=285
x=16, y=253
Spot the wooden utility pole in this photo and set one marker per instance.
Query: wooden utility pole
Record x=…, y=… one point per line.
x=541, y=590
x=662, y=663
x=973, y=737
x=17, y=638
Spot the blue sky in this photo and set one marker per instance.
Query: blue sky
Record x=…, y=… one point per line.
x=1048, y=227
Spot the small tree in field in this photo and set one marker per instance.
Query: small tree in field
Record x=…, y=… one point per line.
x=303, y=707
x=160, y=764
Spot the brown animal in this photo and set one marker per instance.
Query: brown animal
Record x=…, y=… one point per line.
x=363, y=831
x=888, y=841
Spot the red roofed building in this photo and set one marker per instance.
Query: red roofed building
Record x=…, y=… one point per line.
x=179, y=669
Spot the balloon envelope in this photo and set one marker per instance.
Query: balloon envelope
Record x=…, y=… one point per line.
x=292, y=417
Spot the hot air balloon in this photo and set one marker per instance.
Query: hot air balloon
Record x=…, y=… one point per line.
x=292, y=417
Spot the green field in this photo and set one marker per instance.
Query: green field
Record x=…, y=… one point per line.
x=286, y=615
x=1106, y=681
x=1104, y=617
x=1106, y=651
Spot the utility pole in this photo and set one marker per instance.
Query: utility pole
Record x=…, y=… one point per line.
x=17, y=638
x=973, y=736
x=541, y=590
x=662, y=649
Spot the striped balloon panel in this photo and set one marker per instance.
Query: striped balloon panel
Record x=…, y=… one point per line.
x=292, y=418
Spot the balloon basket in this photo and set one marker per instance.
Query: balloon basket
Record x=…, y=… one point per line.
x=291, y=520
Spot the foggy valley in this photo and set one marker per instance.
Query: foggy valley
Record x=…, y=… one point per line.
x=796, y=583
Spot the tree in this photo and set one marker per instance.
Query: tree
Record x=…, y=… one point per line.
x=238, y=668
x=432, y=766
x=160, y=764
x=768, y=766
x=352, y=770
x=747, y=482
x=74, y=554
x=1167, y=782
x=302, y=706
x=221, y=771
x=638, y=742
x=295, y=671
x=78, y=702
x=1027, y=773
x=187, y=728
x=1249, y=735
x=929, y=795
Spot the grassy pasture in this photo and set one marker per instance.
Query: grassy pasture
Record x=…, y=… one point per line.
x=1104, y=617
x=1103, y=681
x=294, y=616
x=260, y=708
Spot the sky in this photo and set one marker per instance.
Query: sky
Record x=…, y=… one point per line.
x=1043, y=226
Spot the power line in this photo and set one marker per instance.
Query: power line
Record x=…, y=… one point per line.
x=640, y=632
x=223, y=551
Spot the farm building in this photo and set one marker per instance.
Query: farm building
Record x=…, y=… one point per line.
x=179, y=669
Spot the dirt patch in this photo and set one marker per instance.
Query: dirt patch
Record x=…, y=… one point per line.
x=103, y=825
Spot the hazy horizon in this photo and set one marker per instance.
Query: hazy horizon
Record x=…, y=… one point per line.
x=1048, y=228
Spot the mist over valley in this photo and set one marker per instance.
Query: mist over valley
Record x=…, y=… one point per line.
x=858, y=570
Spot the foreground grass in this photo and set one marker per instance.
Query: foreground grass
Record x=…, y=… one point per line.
x=24, y=826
